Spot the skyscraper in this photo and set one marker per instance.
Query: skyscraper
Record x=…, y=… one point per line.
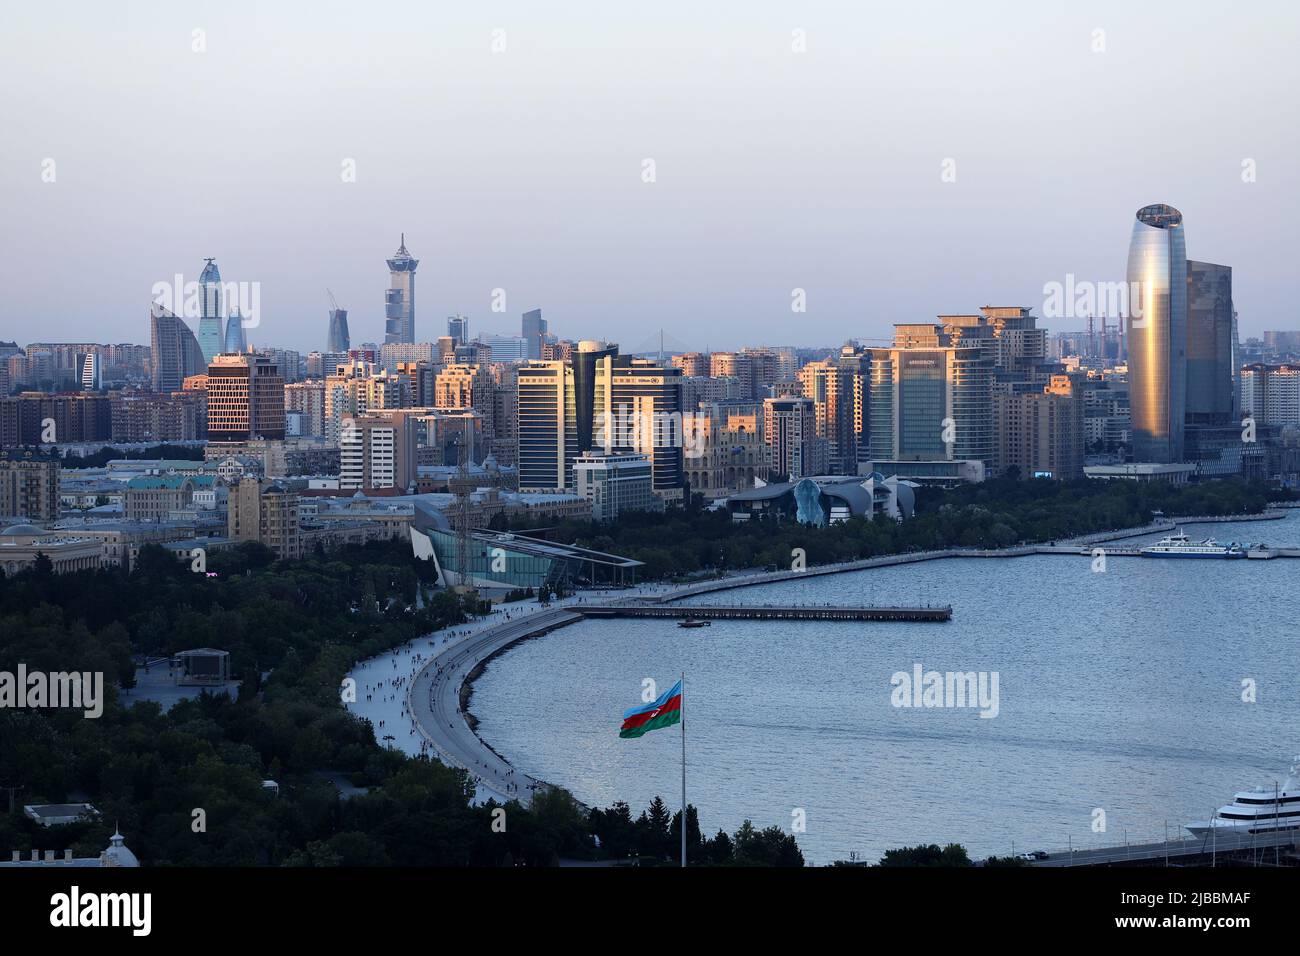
x=533, y=330
x=931, y=395
x=235, y=341
x=1213, y=380
x=598, y=401
x=458, y=328
x=210, y=330
x=174, y=351
x=338, y=339
x=1156, y=328
x=399, y=300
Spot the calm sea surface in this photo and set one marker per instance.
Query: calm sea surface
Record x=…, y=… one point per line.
x=1119, y=690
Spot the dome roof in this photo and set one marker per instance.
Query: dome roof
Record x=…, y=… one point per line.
x=118, y=854
x=22, y=529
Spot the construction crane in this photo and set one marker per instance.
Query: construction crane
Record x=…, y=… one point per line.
x=334, y=305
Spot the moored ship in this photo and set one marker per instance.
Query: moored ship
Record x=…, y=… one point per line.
x=1262, y=810
x=1179, y=545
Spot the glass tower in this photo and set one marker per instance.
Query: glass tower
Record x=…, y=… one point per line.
x=399, y=299
x=1156, y=329
x=210, y=330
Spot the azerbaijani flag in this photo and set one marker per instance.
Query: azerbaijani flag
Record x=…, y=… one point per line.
x=664, y=712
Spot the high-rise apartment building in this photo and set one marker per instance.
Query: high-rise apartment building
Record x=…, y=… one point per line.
x=29, y=484
x=378, y=451
x=307, y=400
x=836, y=388
x=91, y=373
x=1270, y=394
x=1040, y=433
x=790, y=431
x=354, y=389
x=266, y=512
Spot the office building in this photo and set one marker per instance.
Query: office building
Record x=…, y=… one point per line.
x=1156, y=331
x=533, y=332
x=1213, y=387
x=615, y=484
x=458, y=328
x=598, y=401
x=175, y=352
x=245, y=399
x=931, y=396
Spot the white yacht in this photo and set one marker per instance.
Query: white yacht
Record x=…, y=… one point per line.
x=1262, y=810
x=1179, y=545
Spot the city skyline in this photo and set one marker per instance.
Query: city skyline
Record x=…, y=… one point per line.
x=773, y=170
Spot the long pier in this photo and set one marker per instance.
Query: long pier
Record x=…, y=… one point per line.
x=767, y=612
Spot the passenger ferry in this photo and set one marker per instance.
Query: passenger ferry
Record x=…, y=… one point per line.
x=1262, y=810
x=1178, y=545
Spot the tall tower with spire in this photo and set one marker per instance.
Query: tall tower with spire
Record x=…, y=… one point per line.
x=399, y=299
x=210, y=329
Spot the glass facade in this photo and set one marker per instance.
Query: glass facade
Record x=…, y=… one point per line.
x=1156, y=328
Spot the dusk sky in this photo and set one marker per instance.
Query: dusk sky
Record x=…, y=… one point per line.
x=523, y=169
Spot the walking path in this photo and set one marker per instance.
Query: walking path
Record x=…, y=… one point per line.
x=430, y=720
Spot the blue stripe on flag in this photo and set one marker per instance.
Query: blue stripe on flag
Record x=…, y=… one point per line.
x=664, y=698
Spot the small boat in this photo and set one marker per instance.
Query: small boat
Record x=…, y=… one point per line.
x=694, y=622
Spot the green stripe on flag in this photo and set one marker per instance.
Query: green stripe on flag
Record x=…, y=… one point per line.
x=666, y=719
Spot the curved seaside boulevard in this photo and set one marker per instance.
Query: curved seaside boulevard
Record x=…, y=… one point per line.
x=435, y=692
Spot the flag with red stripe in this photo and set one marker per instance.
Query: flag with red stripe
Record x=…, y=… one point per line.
x=663, y=712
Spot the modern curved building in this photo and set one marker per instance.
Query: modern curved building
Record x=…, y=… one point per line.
x=1156, y=327
x=211, y=337
x=174, y=351
x=236, y=341
x=338, y=339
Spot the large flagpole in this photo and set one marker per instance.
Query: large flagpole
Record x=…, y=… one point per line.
x=683, y=710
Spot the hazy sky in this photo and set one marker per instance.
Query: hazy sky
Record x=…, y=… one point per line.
x=523, y=169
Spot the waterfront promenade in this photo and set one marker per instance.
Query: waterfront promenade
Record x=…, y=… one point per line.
x=435, y=692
